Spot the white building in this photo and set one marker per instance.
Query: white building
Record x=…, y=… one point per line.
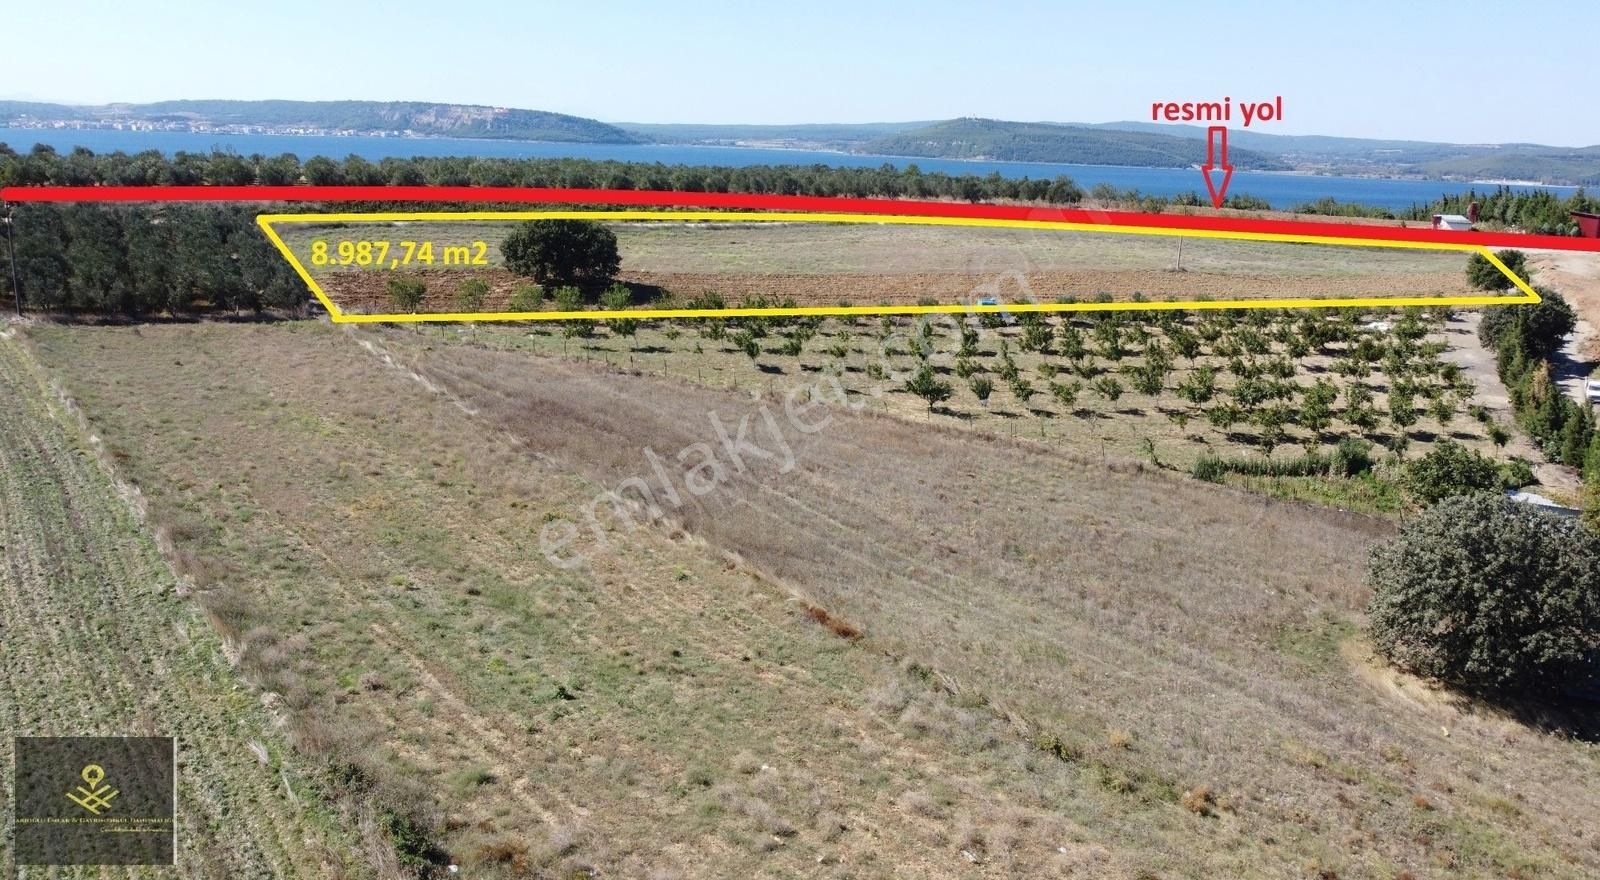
x=1453, y=222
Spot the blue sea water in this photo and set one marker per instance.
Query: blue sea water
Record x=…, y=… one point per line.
x=1279, y=189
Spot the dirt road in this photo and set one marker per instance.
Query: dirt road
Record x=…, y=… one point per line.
x=1577, y=277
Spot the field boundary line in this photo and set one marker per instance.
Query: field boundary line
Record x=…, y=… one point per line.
x=268, y=223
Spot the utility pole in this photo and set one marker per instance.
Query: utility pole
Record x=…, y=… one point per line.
x=11, y=253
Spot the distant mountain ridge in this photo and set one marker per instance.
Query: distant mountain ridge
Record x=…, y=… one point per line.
x=1509, y=161
x=994, y=139
x=824, y=135
x=416, y=117
x=1127, y=143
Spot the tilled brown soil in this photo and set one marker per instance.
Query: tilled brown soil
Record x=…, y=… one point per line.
x=367, y=291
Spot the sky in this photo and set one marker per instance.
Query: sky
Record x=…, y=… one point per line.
x=1465, y=71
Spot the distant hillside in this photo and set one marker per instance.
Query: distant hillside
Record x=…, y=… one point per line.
x=1047, y=142
x=1546, y=164
x=443, y=120
x=826, y=135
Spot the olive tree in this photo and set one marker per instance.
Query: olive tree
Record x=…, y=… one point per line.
x=562, y=252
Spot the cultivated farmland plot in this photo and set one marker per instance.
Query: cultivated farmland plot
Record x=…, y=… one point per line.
x=817, y=264
x=884, y=646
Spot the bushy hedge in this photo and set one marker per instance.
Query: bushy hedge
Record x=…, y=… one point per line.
x=1353, y=456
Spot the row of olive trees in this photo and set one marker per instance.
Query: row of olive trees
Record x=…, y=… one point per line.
x=137, y=261
x=83, y=167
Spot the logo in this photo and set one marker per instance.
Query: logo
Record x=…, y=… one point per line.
x=93, y=798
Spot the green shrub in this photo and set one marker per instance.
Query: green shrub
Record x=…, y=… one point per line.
x=1485, y=275
x=1489, y=595
x=471, y=294
x=1517, y=473
x=1450, y=469
x=407, y=293
x=527, y=298
x=1541, y=326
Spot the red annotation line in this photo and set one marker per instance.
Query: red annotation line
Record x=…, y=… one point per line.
x=764, y=201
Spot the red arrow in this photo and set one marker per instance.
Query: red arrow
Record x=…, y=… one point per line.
x=1217, y=154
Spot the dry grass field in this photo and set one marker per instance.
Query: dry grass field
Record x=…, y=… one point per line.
x=871, y=646
x=828, y=264
x=97, y=638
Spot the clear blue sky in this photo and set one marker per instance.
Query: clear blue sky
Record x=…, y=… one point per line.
x=1456, y=71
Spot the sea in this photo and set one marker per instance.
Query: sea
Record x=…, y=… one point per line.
x=1280, y=189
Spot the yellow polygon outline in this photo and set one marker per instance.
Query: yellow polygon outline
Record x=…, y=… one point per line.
x=266, y=221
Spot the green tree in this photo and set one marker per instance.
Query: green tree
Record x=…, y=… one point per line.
x=1540, y=327
x=1316, y=409
x=1022, y=390
x=928, y=386
x=1108, y=387
x=1448, y=470
x=266, y=280
x=1066, y=393
x=1402, y=410
x=41, y=246
x=1199, y=386
x=1270, y=423
x=150, y=246
x=563, y=252
x=1484, y=275
x=203, y=266
x=1489, y=595
x=98, y=259
x=407, y=293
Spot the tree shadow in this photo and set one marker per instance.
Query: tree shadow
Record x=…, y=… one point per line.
x=1564, y=367
x=1573, y=713
x=770, y=369
x=953, y=413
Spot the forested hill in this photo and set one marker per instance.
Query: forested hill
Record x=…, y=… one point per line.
x=442, y=120
x=1047, y=142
